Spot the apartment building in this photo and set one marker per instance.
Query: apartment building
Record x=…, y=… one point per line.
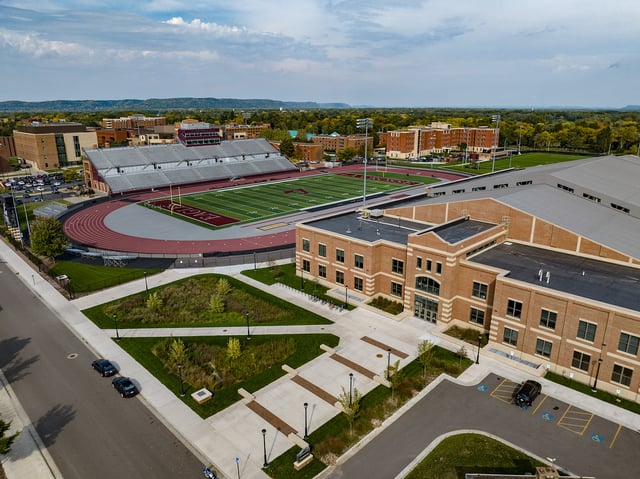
x=537, y=259
x=233, y=131
x=439, y=137
x=336, y=142
x=133, y=122
x=53, y=145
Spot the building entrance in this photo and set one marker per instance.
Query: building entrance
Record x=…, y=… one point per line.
x=426, y=309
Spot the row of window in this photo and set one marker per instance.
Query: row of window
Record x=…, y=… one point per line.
x=580, y=360
x=358, y=283
x=627, y=343
x=428, y=265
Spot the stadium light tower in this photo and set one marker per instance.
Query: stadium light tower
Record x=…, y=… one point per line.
x=365, y=123
x=496, y=119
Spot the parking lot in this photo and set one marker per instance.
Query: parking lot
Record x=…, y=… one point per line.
x=577, y=440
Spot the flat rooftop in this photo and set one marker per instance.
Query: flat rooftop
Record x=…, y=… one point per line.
x=370, y=229
x=460, y=230
x=596, y=280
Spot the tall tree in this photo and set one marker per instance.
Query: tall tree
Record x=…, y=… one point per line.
x=286, y=147
x=47, y=237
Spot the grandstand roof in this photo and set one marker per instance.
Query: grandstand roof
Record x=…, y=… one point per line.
x=139, y=168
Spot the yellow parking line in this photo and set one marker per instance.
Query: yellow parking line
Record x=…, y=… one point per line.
x=615, y=436
x=539, y=404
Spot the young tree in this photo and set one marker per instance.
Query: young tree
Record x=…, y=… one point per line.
x=154, y=301
x=216, y=304
x=6, y=441
x=48, y=238
x=177, y=351
x=233, y=348
x=395, y=375
x=350, y=402
x=426, y=353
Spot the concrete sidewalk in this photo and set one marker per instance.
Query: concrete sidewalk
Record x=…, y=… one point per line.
x=236, y=431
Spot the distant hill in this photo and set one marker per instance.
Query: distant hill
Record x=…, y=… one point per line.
x=631, y=108
x=161, y=104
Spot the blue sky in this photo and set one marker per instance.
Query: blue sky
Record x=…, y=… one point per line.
x=503, y=53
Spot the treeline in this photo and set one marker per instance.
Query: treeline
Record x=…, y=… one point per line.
x=615, y=131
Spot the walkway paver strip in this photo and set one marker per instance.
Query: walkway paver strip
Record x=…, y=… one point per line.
x=355, y=366
x=271, y=418
x=318, y=391
x=386, y=347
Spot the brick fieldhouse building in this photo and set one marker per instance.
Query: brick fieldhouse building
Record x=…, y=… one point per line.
x=545, y=261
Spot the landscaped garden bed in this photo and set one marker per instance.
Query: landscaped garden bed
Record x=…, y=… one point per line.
x=204, y=300
x=223, y=364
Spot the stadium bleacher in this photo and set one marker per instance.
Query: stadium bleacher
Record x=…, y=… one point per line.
x=144, y=168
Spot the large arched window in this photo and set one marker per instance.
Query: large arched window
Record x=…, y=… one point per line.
x=428, y=285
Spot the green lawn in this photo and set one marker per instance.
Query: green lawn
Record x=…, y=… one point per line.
x=525, y=160
x=89, y=277
x=468, y=453
x=272, y=199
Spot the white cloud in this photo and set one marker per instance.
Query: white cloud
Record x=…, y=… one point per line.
x=198, y=25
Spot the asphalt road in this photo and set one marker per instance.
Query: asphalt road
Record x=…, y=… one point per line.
x=89, y=430
x=451, y=407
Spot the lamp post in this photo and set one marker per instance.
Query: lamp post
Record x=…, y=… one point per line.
x=306, y=430
x=595, y=381
x=246, y=315
x=146, y=285
x=302, y=277
x=479, y=344
x=264, y=447
x=496, y=141
x=350, y=389
x=346, y=297
x=520, y=140
x=181, y=383
x=364, y=123
x=115, y=320
x=388, y=362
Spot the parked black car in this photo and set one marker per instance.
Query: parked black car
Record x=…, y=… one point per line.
x=527, y=393
x=104, y=367
x=124, y=386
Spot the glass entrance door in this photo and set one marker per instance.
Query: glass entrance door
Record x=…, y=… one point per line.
x=426, y=309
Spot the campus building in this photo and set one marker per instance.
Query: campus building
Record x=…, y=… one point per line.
x=53, y=145
x=545, y=261
x=233, y=131
x=439, y=137
x=132, y=122
x=336, y=142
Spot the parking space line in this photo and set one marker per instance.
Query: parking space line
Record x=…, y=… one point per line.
x=504, y=391
x=540, y=404
x=615, y=436
x=575, y=420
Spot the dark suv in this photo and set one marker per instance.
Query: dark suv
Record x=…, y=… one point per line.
x=527, y=393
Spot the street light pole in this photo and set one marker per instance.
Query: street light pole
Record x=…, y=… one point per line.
x=246, y=315
x=346, y=297
x=350, y=389
x=264, y=447
x=595, y=382
x=364, y=123
x=146, y=285
x=388, y=363
x=115, y=320
x=520, y=140
x=306, y=430
x=496, y=141
x=479, y=344
x=181, y=383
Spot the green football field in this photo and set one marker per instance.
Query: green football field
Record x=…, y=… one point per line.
x=267, y=200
